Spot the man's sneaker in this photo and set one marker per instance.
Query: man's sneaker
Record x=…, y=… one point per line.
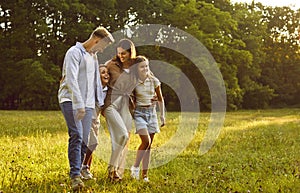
x=146, y=179
x=76, y=183
x=85, y=173
x=135, y=172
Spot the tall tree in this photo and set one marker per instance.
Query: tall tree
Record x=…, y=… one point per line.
x=214, y=29
x=19, y=40
x=282, y=67
x=256, y=47
x=252, y=31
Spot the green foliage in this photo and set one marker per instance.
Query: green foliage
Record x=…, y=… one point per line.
x=256, y=151
x=281, y=69
x=255, y=46
x=30, y=82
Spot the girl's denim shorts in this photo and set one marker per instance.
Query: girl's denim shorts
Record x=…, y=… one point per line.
x=146, y=118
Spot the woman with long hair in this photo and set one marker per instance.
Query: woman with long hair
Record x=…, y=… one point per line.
x=116, y=105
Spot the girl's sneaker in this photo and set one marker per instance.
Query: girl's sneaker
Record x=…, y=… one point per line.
x=135, y=172
x=146, y=179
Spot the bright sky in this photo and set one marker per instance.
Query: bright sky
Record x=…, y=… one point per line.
x=295, y=4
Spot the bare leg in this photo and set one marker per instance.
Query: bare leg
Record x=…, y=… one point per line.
x=145, y=142
x=146, y=157
x=90, y=161
x=88, y=157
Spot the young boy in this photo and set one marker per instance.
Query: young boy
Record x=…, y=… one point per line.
x=93, y=138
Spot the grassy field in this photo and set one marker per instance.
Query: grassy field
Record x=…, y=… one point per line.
x=256, y=151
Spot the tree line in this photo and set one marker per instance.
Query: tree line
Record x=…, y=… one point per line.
x=256, y=47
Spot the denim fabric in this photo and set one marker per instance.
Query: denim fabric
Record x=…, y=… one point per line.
x=78, y=136
x=146, y=118
x=85, y=124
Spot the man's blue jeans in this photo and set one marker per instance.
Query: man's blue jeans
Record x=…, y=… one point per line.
x=79, y=131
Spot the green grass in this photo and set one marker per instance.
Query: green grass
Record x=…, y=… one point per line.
x=256, y=151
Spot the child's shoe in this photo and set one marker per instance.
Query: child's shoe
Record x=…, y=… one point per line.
x=135, y=172
x=85, y=173
x=146, y=179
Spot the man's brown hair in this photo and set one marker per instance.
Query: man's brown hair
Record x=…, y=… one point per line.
x=101, y=32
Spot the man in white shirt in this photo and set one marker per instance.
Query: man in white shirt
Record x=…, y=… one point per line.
x=79, y=93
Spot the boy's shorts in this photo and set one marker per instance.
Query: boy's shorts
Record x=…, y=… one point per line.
x=93, y=138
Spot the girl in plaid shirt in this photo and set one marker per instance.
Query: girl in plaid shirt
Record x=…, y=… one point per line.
x=146, y=94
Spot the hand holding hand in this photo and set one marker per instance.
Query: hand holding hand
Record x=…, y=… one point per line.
x=80, y=113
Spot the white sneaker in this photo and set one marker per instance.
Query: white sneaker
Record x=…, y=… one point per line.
x=146, y=179
x=135, y=172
